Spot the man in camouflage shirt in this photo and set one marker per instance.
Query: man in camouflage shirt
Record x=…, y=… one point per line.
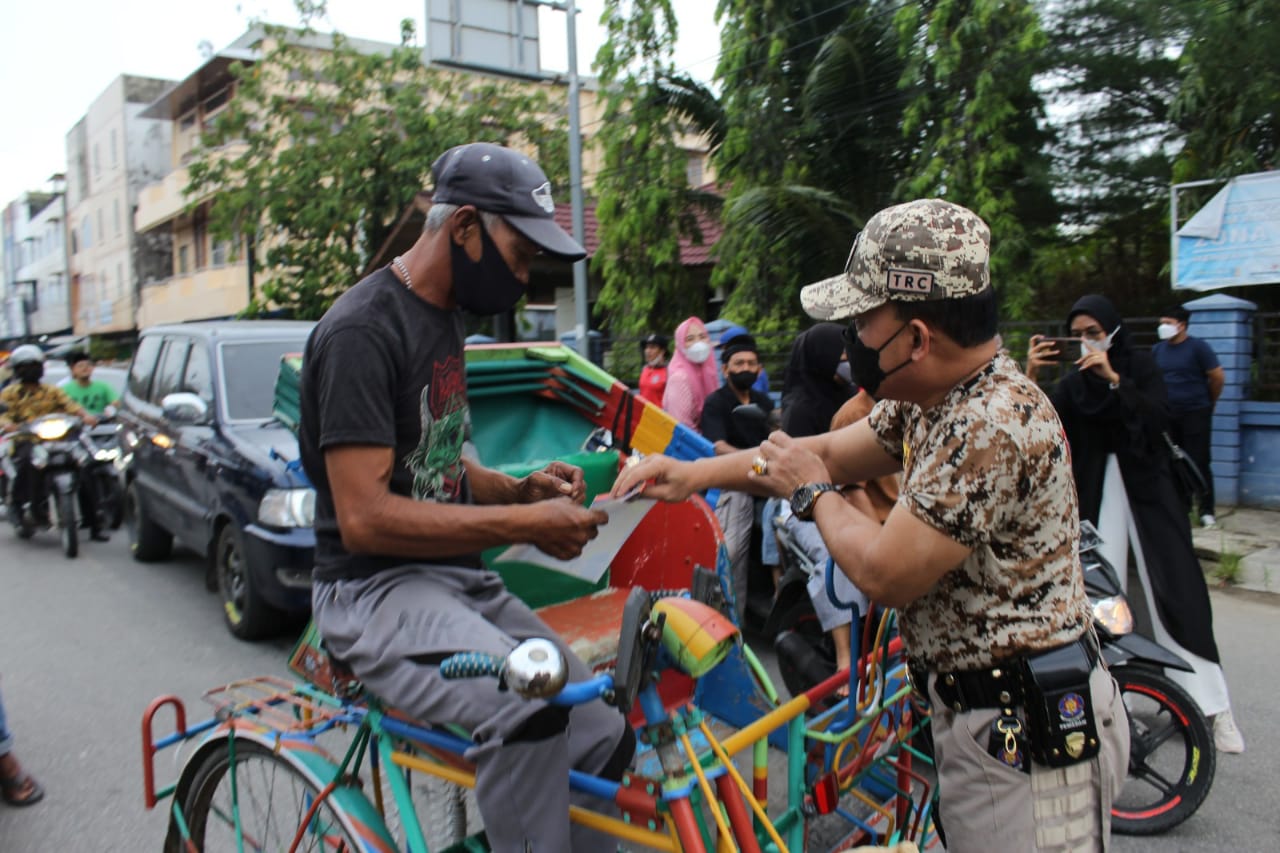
x=979, y=553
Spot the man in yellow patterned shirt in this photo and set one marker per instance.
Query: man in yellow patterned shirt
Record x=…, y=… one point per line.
x=23, y=400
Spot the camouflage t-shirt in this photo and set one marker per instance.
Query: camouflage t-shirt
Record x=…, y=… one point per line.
x=989, y=467
x=28, y=402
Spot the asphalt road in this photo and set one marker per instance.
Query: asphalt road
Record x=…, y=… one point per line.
x=87, y=643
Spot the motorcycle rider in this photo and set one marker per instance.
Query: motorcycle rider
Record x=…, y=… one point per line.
x=24, y=400
x=93, y=394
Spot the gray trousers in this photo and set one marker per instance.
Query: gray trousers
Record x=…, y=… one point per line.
x=395, y=628
x=986, y=805
x=736, y=513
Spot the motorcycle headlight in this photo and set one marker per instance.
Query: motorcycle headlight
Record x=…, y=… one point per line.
x=51, y=429
x=288, y=508
x=1113, y=613
x=106, y=454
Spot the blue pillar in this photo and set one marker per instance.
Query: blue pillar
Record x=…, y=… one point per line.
x=1226, y=323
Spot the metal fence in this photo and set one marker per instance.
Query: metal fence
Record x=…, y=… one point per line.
x=1265, y=376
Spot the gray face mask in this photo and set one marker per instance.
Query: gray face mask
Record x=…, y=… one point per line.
x=844, y=373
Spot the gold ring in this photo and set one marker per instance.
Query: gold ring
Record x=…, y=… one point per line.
x=760, y=465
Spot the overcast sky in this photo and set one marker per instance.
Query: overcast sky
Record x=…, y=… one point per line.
x=56, y=56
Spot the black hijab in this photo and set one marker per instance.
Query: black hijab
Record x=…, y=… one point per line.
x=811, y=396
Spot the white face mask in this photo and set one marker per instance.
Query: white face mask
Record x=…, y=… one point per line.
x=1165, y=331
x=1087, y=346
x=697, y=353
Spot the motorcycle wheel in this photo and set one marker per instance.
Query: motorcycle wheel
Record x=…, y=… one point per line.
x=67, y=524
x=805, y=653
x=1171, y=754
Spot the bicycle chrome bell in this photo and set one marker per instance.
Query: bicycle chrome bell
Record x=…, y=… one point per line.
x=536, y=669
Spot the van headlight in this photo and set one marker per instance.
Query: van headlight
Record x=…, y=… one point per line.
x=288, y=508
x=1113, y=613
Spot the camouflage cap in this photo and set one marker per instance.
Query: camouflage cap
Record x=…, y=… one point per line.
x=922, y=250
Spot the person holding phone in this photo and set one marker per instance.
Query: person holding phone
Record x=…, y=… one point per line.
x=1114, y=411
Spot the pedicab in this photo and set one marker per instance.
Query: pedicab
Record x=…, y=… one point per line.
x=657, y=627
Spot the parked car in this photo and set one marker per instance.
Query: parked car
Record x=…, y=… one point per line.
x=209, y=466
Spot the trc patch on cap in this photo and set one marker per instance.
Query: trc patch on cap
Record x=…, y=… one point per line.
x=922, y=250
x=910, y=282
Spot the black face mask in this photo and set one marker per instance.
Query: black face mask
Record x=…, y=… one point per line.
x=743, y=379
x=487, y=286
x=31, y=372
x=864, y=362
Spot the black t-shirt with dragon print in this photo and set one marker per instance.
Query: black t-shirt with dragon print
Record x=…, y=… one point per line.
x=384, y=368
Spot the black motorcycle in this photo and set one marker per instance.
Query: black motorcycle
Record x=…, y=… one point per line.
x=103, y=474
x=1171, y=752
x=48, y=454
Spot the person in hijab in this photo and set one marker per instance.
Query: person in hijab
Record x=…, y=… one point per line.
x=817, y=381
x=813, y=389
x=692, y=374
x=1114, y=411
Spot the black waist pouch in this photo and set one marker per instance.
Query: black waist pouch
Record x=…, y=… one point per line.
x=1059, y=706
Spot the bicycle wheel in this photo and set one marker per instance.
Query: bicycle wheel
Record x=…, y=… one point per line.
x=272, y=796
x=1171, y=754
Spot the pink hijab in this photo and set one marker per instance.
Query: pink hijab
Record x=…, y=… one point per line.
x=688, y=384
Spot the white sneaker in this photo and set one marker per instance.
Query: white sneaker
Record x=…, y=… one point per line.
x=1226, y=736
x=1208, y=522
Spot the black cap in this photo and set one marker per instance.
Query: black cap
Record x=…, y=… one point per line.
x=656, y=340
x=735, y=345
x=499, y=180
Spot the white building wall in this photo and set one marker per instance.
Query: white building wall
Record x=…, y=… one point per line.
x=33, y=298
x=111, y=154
x=45, y=263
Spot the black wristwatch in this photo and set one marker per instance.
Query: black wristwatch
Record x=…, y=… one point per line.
x=805, y=497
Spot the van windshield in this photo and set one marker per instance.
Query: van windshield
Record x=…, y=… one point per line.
x=249, y=375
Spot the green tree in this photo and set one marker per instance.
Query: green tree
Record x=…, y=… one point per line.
x=1229, y=101
x=1112, y=73
x=644, y=205
x=975, y=126
x=325, y=143
x=811, y=145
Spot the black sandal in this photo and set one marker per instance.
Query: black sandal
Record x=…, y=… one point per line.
x=12, y=790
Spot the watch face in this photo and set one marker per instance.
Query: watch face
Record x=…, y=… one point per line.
x=802, y=502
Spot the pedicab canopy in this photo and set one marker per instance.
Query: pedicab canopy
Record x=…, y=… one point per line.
x=531, y=404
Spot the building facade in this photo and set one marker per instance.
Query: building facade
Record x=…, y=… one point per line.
x=37, y=298
x=112, y=153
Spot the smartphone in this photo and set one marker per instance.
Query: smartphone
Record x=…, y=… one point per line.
x=1068, y=348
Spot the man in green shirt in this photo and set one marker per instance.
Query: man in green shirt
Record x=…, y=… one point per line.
x=94, y=395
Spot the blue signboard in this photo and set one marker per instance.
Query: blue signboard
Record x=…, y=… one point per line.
x=1234, y=239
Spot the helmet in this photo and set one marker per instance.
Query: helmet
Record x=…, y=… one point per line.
x=26, y=354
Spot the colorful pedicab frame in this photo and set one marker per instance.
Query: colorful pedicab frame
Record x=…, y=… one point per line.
x=534, y=403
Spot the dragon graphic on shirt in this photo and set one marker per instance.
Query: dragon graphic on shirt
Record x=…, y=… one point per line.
x=436, y=463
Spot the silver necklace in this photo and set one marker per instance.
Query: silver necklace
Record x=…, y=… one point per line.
x=399, y=264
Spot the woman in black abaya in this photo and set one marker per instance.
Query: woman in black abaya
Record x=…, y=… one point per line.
x=1114, y=411
x=812, y=393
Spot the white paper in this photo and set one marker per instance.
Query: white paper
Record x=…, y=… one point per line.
x=625, y=514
